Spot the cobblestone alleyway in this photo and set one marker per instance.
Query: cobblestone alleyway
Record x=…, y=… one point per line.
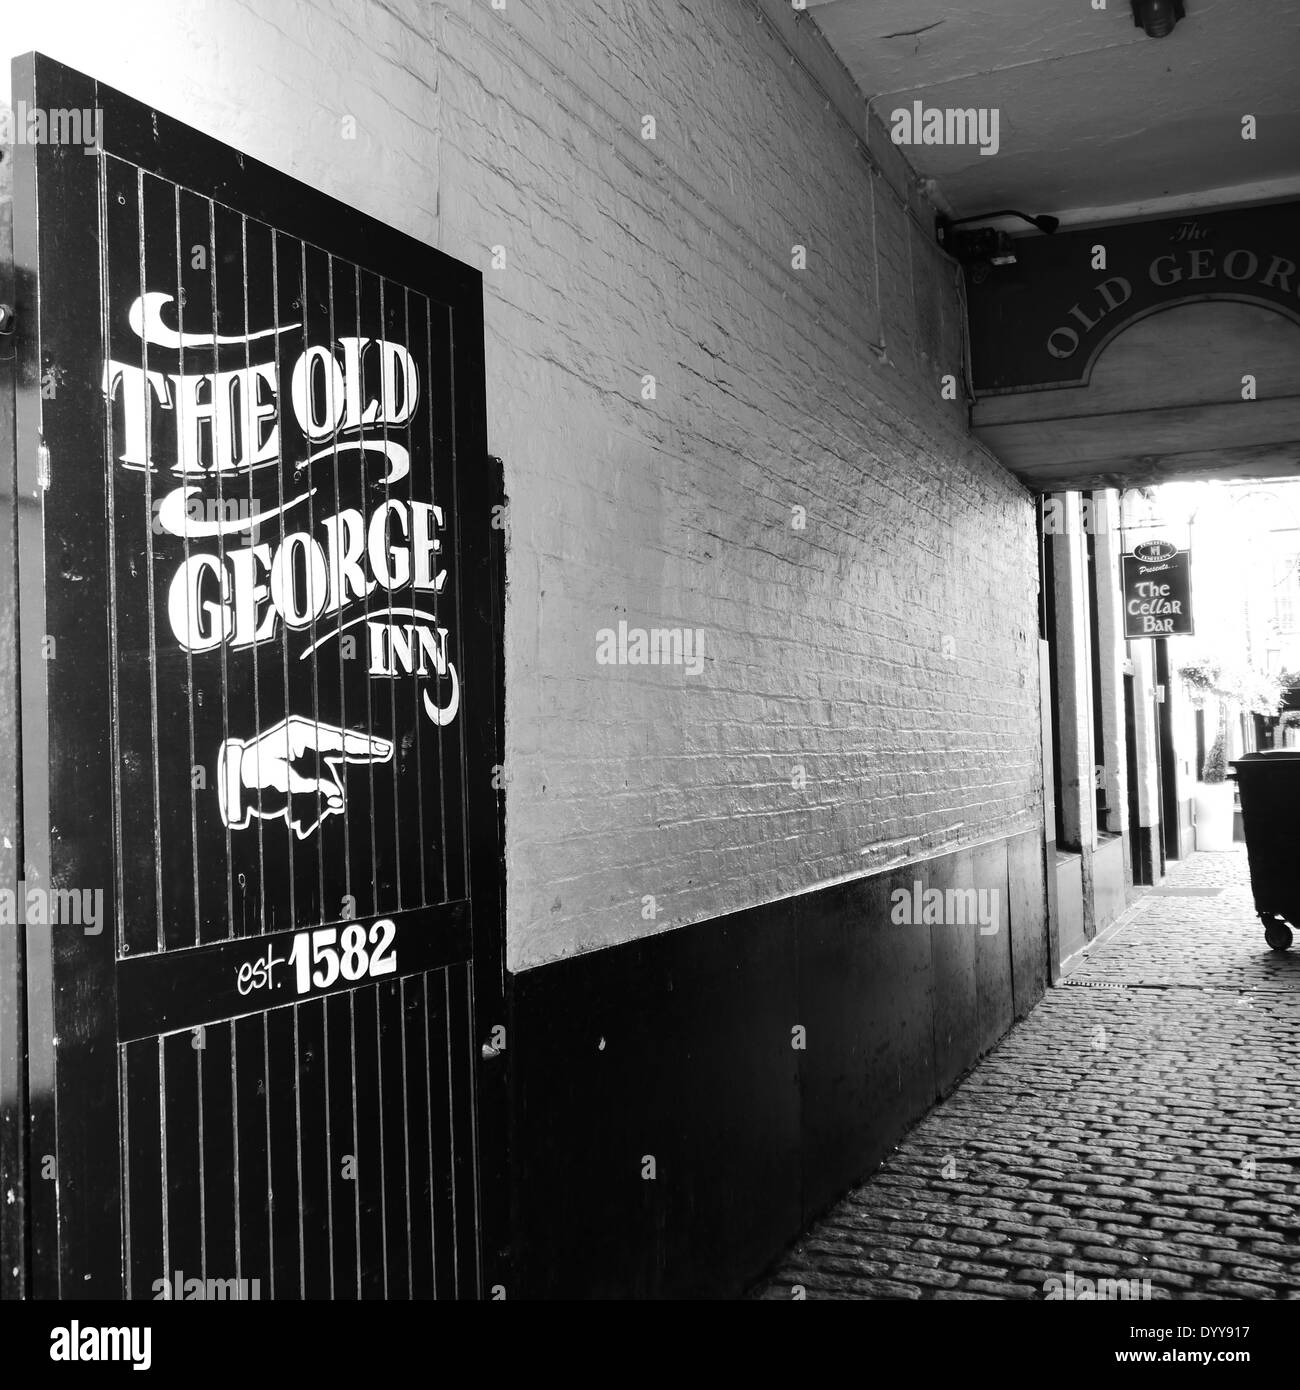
x=1141, y=1124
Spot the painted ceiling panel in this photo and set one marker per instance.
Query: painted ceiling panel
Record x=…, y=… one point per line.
x=1092, y=112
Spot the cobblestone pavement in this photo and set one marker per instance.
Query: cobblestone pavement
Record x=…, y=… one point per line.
x=1142, y=1124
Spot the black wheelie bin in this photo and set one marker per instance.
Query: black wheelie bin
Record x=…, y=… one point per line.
x=1270, y=811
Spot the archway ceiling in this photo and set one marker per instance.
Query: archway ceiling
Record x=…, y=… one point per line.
x=1163, y=402
x=1099, y=124
x=1096, y=119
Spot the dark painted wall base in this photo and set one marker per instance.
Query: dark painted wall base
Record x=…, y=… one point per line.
x=669, y=1139
x=1145, y=849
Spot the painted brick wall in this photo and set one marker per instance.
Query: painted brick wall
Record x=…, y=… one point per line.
x=886, y=649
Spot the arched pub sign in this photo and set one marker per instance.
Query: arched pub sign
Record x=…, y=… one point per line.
x=1044, y=321
x=260, y=699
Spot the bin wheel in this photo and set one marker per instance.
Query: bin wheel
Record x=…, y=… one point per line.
x=1277, y=933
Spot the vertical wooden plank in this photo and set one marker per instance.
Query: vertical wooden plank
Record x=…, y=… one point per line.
x=379, y=692
x=341, y=1154
x=274, y=266
x=142, y=1119
x=189, y=652
x=385, y=842
x=258, y=423
x=304, y=270
x=231, y=667
x=480, y=597
x=392, y=1102
x=339, y=644
x=409, y=612
x=460, y=1070
x=442, y=1142
x=130, y=487
x=14, y=1174
x=424, y=780
x=183, y=1157
x=435, y=1102
x=282, y=1120
x=341, y=655
x=419, y=1172
x=218, y=1115
x=435, y=437
x=443, y=405
x=252, y=1172
x=370, y=1144
x=66, y=681
x=314, y=1176
x=140, y=505
x=312, y=675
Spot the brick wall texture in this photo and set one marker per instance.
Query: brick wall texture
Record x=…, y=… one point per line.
x=869, y=685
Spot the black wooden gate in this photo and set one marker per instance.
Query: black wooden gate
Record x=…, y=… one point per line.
x=260, y=666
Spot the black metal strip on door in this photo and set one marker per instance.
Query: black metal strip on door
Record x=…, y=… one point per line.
x=261, y=705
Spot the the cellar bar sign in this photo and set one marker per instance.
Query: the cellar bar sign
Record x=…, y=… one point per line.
x=1157, y=591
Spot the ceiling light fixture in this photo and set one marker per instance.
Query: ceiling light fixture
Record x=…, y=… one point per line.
x=1157, y=17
